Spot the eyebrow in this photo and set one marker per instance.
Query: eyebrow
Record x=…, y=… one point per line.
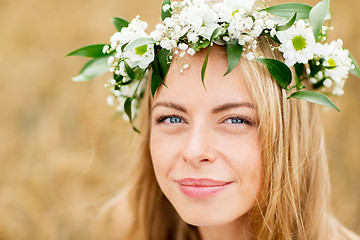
x=217, y=109
x=170, y=105
x=228, y=106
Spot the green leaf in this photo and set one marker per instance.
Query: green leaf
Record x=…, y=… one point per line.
x=279, y=70
x=287, y=25
x=131, y=73
x=317, y=16
x=156, y=79
x=299, y=69
x=356, y=70
x=314, y=97
x=167, y=13
x=234, y=51
x=120, y=23
x=92, y=69
x=93, y=51
x=160, y=67
x=163, y=63
x=118, y=78
x=287, y=10
x=128, y=111
x=203, y=69
x=138, y=43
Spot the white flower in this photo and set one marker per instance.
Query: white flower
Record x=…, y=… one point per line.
x=183, y=46
x=166, y=43
x=338, y=60
x=105, y=48
x=298, y=43
x=193, y=37
x=248, y=22
x=313, y=80
x=169, y=22
x=202, y=19
x=110, y=60
x=117, y=93
x=122, y=69
x=191, y=51
x=327, y=83
x=250, y=56
x=110, y=100
x=156, y=35
x=238, y=6
x=270, y=24
x=166, y=7
x=338, y=91
x=141, y=56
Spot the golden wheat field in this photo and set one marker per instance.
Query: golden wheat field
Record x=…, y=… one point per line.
x=62, y=152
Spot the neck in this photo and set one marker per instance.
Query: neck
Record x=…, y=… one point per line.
x=238, y=229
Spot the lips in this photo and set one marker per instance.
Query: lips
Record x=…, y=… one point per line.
x=201, y=188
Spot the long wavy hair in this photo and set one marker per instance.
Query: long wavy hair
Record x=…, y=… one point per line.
x=294, y=202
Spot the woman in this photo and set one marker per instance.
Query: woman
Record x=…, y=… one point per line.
x=265, y=153
x=228, y=156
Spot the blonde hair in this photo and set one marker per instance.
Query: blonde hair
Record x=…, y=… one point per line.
x=295, y=198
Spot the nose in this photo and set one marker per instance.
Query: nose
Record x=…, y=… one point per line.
x=198, y=149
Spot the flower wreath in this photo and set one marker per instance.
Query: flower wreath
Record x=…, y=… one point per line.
x=189, y=26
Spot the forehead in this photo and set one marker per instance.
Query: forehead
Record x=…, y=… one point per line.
x=217, y=88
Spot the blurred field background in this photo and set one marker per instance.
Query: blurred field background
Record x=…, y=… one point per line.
x=61, y=151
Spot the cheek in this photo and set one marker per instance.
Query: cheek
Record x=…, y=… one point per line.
x=161, y=155
x=246, y=161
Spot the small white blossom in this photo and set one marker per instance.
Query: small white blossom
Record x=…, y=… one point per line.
x=183, y=46
x=111, y=60
x=191, y=51
x=117, y=93
x=105, y=49
x=313, y=80
x=250, y=56
x=327, y=83
x=110, y=100
x=166, y=7
x=156, y=35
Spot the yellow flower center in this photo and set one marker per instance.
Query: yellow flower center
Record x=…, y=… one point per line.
x=299, y=43
x=141, y=50
x=331, y=63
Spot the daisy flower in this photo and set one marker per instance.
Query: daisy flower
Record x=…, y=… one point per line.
x=297, y=43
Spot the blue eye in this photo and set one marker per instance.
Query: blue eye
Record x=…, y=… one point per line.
x=235, y=120
x=173, y=119
x=169, y=119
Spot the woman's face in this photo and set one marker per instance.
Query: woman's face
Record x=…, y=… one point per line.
x=204, y=143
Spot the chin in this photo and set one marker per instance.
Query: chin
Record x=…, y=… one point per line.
x=208, y=217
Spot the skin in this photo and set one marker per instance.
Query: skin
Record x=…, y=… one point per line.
x=208, y=133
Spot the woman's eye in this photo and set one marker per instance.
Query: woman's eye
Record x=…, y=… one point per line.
x=238, y=120
x=235, y=120
x=169, y=119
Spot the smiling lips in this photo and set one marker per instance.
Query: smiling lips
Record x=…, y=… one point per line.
x=201, y=188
